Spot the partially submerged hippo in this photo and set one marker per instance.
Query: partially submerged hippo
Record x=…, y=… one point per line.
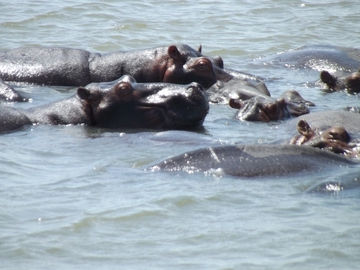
x=254, y=161
x=7, y=93
x=335, y=131
x=119, y=104
x=317, y=57
x=221, y=92
x=350, y=83
x=254, y=101
x=265, y=108
x=76, y=67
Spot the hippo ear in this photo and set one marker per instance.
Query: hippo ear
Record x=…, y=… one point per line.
x=83, y=93
x=304, y=128
x=174, y=53
x=327, y=78
x=234, y=103
x=200, y=48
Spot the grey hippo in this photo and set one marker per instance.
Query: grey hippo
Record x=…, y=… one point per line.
x=76, y=67
x=338, y=66
x=123, y=103
x=317, y=58
x=264, y=108
x=9, y=94
x=248, y=161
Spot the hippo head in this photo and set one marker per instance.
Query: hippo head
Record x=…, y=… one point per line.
x=296, y=104
x=128, y=104
x=183, y=69
x=260, y=109
x=335, y=139
x=351, y=83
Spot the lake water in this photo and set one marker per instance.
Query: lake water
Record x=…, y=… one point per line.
x=73, y=197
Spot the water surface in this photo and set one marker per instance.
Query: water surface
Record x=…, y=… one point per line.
x=73, y=197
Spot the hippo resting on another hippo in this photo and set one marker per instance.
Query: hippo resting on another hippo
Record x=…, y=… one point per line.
x=75, y=67
x=335, y=131
x=254, y=161
x=119, y=104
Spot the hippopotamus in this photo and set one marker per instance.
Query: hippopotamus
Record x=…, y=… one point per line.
x=264, y=108
x=318, y=58
x=225, y=74
x=335, y=131
x=7, y=93
x=236, y=88
x=12, y=119
x=119, y=104
x=178, y=64
x=254, y=161
x=350, y=83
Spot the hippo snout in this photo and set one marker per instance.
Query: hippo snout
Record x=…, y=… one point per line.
x=195, y=87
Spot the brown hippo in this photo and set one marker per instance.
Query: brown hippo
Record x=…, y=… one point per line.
x=335, y=131
x=350, y=83
x=75, y=67
x=120, y=104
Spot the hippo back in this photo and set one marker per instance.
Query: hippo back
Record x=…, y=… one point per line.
x=45, y=65
x=254, y=160
x=318, y=57
x=12, y=119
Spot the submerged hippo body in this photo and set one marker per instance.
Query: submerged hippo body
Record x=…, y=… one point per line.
x=317, y=57
x=75, y=67
x=253, y=160
x=12, y=119
x=336, y=131
x=121, y=104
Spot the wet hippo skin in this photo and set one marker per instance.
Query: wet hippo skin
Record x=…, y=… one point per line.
x=120, y=104
x=76, y=67
x=254, y=160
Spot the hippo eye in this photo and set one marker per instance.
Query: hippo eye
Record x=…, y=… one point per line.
x=123, y=89
x=202, y=64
